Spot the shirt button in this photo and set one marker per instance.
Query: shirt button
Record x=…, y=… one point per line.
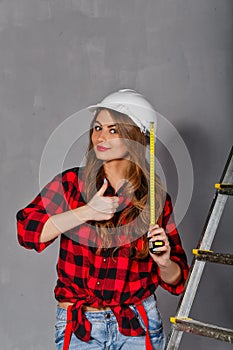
x=98, y=283
x=105, y=260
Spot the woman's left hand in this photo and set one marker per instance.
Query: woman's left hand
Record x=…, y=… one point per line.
x=157, y=233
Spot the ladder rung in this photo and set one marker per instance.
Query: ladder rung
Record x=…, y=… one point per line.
x=208, y=255
x=199, y=328
x=224, y=188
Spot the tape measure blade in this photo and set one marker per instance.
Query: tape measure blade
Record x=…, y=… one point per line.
x=152, y=175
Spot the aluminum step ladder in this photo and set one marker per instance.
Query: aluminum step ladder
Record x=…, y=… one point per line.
x=181, y=322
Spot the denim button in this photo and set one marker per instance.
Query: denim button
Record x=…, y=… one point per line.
x=108, y=315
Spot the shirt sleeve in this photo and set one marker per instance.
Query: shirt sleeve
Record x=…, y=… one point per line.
x=31, y=219
x=177, y=252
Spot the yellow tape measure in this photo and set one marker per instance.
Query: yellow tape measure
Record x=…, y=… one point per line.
x=153, y=245
x=152, y=174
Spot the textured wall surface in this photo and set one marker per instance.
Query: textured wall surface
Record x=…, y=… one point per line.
x=58, y=56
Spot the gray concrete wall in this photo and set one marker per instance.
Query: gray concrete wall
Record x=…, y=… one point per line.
x=58, y=56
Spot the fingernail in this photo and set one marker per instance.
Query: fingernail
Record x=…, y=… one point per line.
x=154, y=250
x=148, y=234
x=105, y=180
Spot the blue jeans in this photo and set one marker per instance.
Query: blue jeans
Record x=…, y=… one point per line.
x=105, y=334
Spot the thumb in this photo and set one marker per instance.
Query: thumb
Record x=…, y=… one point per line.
x=103, y=188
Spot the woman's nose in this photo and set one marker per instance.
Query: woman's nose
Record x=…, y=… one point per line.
x=102, y=135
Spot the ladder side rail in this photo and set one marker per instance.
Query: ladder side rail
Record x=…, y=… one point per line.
x=191, y=288
x=174, y=339
x=212, y=224
x=186, y=302
x=219, y=200
x=228, y=169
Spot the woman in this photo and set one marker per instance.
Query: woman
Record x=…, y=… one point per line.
x=107, y=276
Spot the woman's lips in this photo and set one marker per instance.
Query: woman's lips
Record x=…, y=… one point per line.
x=102, y=148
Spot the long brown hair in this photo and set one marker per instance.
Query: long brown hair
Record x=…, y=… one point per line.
x=137, y=176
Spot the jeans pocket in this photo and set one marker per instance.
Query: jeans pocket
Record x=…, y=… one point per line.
x=155, y=322
x=155, y=326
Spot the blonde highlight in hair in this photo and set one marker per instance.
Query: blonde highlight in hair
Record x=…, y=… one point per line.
x=137, y=185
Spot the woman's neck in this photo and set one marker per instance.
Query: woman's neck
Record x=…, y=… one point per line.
x=116, y=172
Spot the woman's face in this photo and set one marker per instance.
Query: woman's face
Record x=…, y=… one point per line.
x=106, y=140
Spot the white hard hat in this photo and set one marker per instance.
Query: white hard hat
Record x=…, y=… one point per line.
x=131, y=103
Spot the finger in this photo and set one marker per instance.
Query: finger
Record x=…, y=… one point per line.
x=108, y=203
x=159, y=238
x=115, y=202
x=159, y=251
x=154, y=227
x=156, y=231
x=110, y=210
x=106, y=216
x=106, y=207
x=103, y=188
x=111, y=199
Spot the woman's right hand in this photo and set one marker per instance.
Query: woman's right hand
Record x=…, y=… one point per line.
x=100, y=207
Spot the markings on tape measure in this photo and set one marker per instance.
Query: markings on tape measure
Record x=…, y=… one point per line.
x=153, y=246
x=152, y=174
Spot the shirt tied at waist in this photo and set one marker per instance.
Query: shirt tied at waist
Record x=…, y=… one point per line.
x=81, y=326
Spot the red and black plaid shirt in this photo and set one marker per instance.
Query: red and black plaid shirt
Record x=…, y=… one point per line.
x=84, y=277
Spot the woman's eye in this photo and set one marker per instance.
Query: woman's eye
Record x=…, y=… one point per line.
x=113, y=131
x=97, y=128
